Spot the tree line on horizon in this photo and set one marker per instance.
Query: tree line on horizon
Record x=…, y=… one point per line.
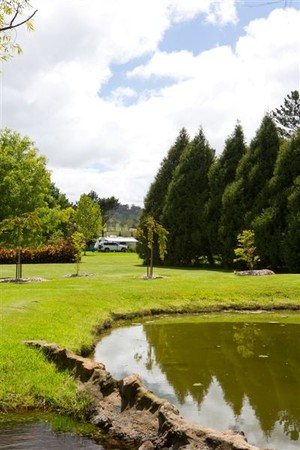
x=205, y=201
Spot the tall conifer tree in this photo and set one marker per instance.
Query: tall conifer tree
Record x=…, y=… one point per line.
x=155, y=198
x=246, y=198
x=221, y=174
x=184, y=214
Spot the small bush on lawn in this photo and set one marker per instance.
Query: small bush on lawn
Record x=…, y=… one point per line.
x=60, y=252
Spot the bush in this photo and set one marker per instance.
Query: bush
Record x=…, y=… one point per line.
x=60, y=252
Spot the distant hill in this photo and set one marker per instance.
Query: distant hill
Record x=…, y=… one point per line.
x=124, y=220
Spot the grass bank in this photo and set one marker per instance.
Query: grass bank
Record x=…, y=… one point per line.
x=68, y=310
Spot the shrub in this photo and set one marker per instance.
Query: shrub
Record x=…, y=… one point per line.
x=59, y=252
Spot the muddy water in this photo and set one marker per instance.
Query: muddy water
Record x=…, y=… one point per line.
x=241, y=373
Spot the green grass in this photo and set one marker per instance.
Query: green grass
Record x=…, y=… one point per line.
x=68, y=310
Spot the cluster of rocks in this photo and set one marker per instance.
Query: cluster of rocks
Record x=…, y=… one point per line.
x=22, y=280
x=130, y=412
x=260, y=272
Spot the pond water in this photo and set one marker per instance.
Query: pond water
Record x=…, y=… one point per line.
x=238, y=372
x=40, y=432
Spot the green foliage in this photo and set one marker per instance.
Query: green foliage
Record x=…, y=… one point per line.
x=146, y=233
x=17, y=231
x=57, y=198
x=287, y=116
x=246, y=250
x=123, y=220
x=56, y=223
x=157, y=193
x=13, y=14
x=185, y=214
x=107, y=206
x=155, y=198
x=221, y=174
x=291, y=242
x=79, y=243
x=24, y=180
x=88, y=218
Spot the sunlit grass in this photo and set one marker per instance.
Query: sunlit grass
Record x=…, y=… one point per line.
x=67, y=310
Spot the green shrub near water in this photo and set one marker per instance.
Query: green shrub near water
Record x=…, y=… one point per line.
x=68, y=311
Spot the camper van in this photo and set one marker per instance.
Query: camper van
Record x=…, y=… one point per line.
x=115, y=244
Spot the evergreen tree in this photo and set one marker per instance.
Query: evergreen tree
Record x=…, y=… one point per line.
x=221, y=174
x=291, y=243
x=287, y=117
x=277, y=228
x=246, y=198
x=155, y=198
x=184, y=214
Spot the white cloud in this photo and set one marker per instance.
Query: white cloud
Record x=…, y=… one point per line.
x=51, y=92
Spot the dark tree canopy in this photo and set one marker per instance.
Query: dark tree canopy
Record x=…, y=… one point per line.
x=155, y=198
x=184, y=214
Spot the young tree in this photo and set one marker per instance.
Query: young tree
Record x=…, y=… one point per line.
x=13, y=14
x=246, y=250
x=185, y=214
x=88, y=218
x=78, y=240
x=287, y=116
x=17, y=232
x=146, y=233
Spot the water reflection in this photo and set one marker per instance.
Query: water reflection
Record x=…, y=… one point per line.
x=222, y=375
x=39, y=436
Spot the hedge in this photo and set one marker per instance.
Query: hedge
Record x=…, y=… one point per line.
x=62, y=252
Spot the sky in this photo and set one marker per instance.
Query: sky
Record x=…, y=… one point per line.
x=104, y=87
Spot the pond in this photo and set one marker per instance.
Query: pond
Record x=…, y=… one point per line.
x=37, y=431
x=228, y=371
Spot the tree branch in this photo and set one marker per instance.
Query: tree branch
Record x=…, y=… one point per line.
x=12, y=26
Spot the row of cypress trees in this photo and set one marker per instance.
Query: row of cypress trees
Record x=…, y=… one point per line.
x=205, y=201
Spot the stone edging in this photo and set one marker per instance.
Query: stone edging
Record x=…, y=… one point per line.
x=134, y=414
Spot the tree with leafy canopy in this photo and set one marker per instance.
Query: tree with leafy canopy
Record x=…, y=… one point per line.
x=24, y=179
x=13, y=14
x=146, y=233
x=107, y=206
x=88, y=218
x=78, y=241
x=246, y=250
x=287, y=116
x=18, y=232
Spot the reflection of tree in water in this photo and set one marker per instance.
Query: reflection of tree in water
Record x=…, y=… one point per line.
x=245, y=338
x=290, y=426
x=234, y=354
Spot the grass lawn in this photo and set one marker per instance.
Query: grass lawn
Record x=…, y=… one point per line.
x=67, y=311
